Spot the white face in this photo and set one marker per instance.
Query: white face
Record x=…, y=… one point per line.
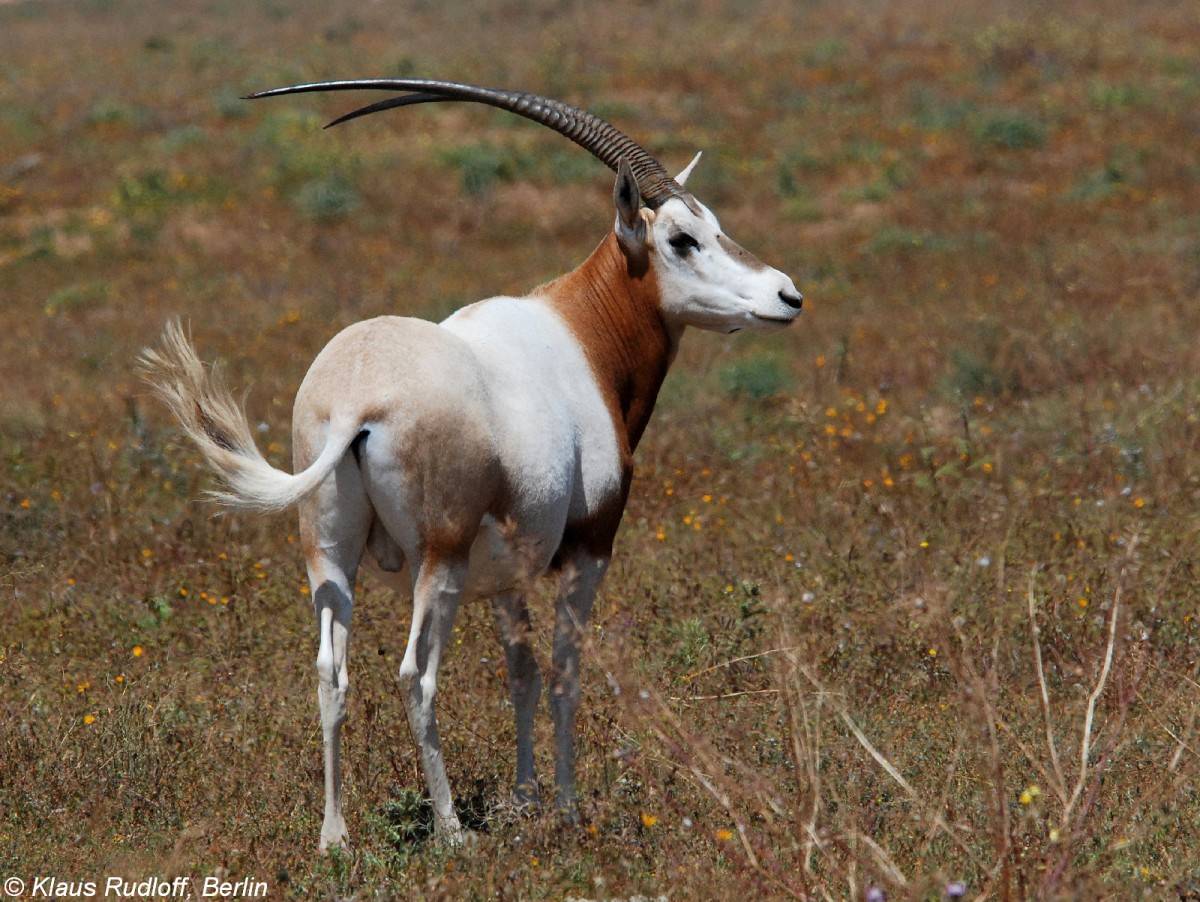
x=708, y=281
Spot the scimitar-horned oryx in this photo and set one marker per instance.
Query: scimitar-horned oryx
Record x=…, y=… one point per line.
x=456, y=459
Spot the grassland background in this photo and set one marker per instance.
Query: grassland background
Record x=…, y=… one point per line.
x=990, y=406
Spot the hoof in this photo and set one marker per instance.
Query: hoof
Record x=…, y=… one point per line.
x=568, y=813
x=333, y=837
x=450, y=831
x=526, y=798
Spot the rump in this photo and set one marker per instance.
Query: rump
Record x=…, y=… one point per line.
x=427, y=448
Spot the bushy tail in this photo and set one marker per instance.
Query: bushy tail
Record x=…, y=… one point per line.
x=206, y=409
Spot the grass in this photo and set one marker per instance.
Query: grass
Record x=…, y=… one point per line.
x=904, y=597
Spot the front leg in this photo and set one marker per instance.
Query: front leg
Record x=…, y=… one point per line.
x=524, y=684
x=580, y=578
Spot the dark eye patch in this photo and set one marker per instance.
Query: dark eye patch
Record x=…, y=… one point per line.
x=682, y=242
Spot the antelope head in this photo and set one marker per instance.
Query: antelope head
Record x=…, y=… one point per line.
x=704, y=278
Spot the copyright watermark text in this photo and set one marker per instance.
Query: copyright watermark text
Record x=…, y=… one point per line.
x=48, y=887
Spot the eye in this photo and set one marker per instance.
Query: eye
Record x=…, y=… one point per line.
x=682, y=242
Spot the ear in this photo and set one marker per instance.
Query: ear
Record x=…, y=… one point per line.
x=630, y=227
x=683, y=176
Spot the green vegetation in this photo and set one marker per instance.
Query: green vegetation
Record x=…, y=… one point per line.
x=756, y=377
x=1011, y=131
x=906, y=595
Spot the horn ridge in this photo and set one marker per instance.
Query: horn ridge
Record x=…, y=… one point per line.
x=599, y=137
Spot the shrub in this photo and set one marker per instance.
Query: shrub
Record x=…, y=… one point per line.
x=480, y=165
x=756, y=378
x=327, y=199
x=1011, y=131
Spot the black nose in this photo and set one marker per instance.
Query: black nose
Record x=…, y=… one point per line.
x=795, y=301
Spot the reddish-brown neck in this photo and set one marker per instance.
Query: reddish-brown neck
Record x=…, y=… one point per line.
x=618, y=320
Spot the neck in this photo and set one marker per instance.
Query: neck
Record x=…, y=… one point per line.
x=617, y=320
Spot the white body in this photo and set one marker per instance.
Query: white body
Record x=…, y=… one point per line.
x=537, y=419
x=551, y=432
x=470, y=457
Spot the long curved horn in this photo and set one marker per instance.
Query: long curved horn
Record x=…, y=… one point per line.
x=600, y=138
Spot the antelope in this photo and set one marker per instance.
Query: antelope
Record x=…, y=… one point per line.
x=458, y=459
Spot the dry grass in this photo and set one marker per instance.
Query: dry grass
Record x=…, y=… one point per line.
x=905, y=597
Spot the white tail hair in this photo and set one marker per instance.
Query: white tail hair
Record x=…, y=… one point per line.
x=213, y=419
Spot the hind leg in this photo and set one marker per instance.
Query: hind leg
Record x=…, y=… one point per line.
x=333, y=532
x=437, y=591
